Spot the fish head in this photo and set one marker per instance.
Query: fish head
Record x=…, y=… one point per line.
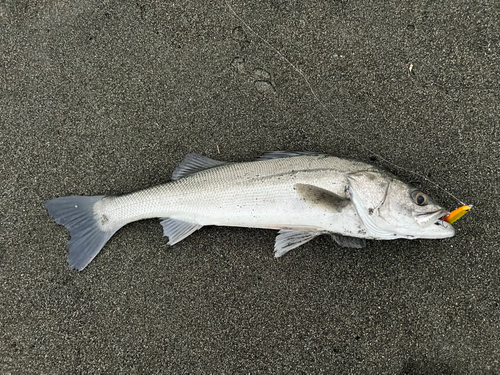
x=389, y=208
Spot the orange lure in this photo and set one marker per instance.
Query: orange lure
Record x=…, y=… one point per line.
x=457, y=214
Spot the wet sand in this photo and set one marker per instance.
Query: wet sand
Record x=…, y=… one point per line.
x=108, y=97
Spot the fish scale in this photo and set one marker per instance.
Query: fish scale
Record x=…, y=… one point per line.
x=240, y=192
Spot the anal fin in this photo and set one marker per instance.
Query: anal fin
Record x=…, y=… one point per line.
x=290, y=239
x=177, y=230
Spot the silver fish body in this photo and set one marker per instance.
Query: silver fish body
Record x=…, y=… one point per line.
x=301, y=194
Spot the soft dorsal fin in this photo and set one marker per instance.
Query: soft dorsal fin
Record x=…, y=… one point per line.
x=290, y=239
x=194, y=163
x=320, y=197
x=287, y=154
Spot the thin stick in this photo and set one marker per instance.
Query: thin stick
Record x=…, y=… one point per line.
x=313, y=92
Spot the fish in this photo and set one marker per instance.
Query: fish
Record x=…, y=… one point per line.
x=301, y=194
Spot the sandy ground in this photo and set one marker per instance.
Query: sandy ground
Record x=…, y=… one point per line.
x=106, y=97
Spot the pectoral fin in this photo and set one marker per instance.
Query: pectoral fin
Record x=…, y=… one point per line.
x=345, y=241
x=290, y=239
x=320, y=197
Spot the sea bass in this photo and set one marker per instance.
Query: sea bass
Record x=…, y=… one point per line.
x=301, y=194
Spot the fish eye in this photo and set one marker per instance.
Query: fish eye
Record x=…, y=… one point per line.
x=420, y=198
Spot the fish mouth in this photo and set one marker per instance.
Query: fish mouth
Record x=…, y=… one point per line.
x=425, y=219
x=433, y=224
x=442, y=223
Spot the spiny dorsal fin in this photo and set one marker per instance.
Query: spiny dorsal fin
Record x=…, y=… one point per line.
x=287, y=154
x=194, y=163
x=290, y=239
x=320, y=197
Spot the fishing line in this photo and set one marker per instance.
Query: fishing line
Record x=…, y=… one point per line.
x=323, y=105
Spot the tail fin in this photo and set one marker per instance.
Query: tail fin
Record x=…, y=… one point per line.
x=76, y=213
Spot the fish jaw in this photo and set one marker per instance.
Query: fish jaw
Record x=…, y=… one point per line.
x=435, y=227
x=425, y=219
